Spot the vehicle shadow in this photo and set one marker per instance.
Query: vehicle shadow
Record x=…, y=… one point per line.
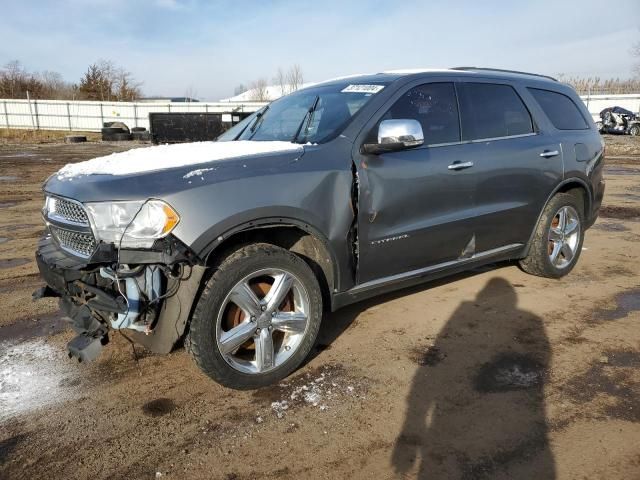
x=476, y=405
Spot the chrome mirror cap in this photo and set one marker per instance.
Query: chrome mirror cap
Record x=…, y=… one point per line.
x=406, y=132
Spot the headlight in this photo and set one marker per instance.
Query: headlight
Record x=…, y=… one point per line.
x=132, y=224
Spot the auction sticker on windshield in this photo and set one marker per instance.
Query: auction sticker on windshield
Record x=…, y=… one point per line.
x=362, y=89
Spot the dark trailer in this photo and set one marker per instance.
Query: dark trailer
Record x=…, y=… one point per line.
x=190, y=126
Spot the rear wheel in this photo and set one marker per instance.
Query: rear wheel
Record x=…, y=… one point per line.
x=557, y=241
x=257, y=318
x=634, y=131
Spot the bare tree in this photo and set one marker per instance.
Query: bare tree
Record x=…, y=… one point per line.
x=597, y=85
x=258, y=90
x=294, y=77
x=281, y=80
x=55, y=87
x=190, y=93
x=126, y=89
x=635, y=51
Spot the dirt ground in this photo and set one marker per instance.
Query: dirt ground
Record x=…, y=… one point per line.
x=490, y=374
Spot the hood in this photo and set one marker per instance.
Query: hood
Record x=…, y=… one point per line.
x=155, y=171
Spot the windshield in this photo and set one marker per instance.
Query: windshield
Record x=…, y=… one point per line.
x=313, y=115
x=237, y=129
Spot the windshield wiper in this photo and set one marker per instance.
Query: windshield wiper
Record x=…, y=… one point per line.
x=258, y=121
x=309, y=116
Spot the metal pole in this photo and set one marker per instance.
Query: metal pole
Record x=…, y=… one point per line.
x=101, y=116
x=33, y=124
x=6, y=113
x=35, y=108
x=69, y=115
x=135, y=114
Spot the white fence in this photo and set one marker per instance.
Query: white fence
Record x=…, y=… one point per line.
x=597, y=103
x=90, y=116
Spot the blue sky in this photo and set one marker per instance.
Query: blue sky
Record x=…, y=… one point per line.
x=212, y=46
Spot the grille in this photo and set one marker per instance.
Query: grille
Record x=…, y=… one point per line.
x=82, y=244
x=70, y=211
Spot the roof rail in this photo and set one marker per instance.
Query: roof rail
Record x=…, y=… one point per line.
x=500, y=70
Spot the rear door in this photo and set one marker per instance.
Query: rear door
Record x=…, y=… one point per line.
x=414, y=210
x=516, y=165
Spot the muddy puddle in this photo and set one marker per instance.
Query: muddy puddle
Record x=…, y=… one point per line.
x=509, y=371
x=8, y=204
x=8, y=178
x=611, y=227
x=627, y=196
x=29, y=328
x=429, y=356
x=610, y=377
x=13, y=262
x=626, y=302
x=158, y=407
x=610, y=170
x=19, y=226
x=3, y=240
x=620, y=212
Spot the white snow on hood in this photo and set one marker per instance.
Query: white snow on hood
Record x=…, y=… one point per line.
x=160, y=157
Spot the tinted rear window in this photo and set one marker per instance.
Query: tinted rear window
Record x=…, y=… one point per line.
x=490, y=111
x=561, y=110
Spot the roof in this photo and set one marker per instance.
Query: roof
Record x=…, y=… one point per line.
x=273, y=92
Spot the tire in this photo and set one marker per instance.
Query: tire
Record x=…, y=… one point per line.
x=545, y=242
x=75, y=139
x=216, y=314
x=138, y=129
x=112, y=130
x=634, y=131
x=116, y=137
x=141, y=136
x=120, y=125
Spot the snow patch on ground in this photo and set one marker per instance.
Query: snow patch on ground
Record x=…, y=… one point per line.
x=323, y=389
x=160, y=157
x=31, y=376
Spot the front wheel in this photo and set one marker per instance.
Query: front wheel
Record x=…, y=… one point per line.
x=634, y=131
x=257, y=318
x=557, y=241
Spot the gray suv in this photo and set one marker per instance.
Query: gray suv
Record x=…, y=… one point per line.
x=335, y=193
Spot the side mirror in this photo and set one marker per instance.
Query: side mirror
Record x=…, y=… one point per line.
x=394, y=135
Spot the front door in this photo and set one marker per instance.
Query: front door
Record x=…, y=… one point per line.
x=416, y=206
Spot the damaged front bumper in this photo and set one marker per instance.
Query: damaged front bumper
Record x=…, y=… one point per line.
x=149, y=293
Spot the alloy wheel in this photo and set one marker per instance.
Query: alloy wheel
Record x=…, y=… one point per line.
x=262, y=321
x=564, y=237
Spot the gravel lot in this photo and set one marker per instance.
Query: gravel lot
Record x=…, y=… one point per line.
x=489, y=374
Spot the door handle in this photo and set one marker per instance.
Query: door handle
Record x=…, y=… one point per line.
x=460, y=165
x=549, y=153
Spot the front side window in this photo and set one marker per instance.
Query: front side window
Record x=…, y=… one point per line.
x=315, y=114
x=492, y=111
x=434, y=105
x=561, y=110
